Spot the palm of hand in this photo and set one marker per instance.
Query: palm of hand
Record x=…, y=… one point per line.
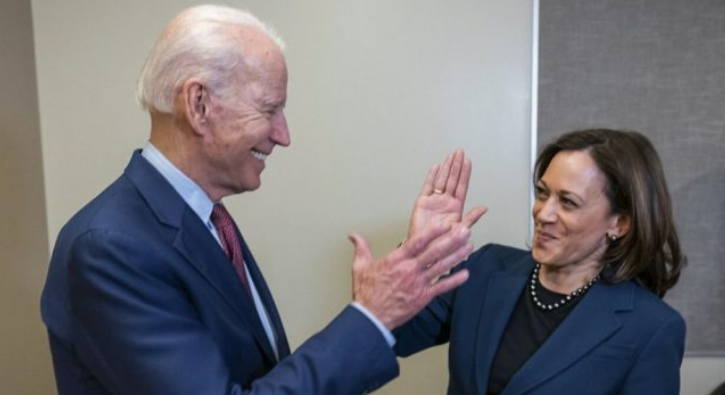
x=436, y=208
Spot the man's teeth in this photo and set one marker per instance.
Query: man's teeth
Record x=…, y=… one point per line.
x=259, y=155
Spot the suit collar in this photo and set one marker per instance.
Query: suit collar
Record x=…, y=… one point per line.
x=194, y=196
x=196, y=243
x=591, y=322
x=160, y=196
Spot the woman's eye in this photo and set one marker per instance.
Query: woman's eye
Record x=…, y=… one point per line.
x=569, y=203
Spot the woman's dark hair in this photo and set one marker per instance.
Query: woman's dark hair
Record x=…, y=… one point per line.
x=636, y=187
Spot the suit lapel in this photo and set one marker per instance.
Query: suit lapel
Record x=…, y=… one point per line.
x=502, y=293
x=196, y=244
x=588, y=325
x=264, y=293
x=199, y=247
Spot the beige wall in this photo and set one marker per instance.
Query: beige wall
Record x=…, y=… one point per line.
x=24, y=357
x=379, y=90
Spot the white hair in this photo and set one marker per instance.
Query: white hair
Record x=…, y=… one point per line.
x=196, y=43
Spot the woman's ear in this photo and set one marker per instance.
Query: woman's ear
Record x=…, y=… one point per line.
x=621, y=225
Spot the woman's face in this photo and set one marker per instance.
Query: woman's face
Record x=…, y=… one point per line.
x=572, y=213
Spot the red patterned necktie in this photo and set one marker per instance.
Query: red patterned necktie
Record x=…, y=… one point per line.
x=230, y=243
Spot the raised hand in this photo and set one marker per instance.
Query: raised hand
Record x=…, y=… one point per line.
x=443, y=196
x=399, y=285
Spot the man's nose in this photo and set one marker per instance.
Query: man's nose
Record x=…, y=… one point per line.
x=280, y=131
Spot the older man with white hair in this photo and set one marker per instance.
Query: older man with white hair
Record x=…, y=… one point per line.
x=151, y=288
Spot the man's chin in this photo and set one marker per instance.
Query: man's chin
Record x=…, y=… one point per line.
x=249, y=186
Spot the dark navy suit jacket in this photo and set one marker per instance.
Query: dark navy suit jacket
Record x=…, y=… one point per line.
x=619, y=339
x=140, y=299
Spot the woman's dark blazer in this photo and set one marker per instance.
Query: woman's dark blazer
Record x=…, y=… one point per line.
x=619, y=339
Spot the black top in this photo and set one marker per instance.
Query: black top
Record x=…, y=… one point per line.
x=527, y=329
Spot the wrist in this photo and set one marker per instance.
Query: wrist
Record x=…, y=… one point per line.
x=384, y=329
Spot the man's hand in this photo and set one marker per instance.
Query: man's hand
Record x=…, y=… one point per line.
x=444, y=194
x=399, y=285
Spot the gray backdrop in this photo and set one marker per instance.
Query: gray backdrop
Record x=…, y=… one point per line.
x=658, y=67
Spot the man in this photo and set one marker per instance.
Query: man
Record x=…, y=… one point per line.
x=152, y=290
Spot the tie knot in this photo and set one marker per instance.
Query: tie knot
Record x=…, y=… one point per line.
x=229, y=241
x=220, y=216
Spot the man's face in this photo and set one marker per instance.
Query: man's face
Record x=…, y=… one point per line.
x=245, y=127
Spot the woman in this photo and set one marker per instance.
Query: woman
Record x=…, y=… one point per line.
x=581, y=313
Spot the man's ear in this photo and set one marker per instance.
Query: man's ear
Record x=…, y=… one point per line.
x=196, y=104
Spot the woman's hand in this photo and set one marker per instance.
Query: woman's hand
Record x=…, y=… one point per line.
x=444, y=195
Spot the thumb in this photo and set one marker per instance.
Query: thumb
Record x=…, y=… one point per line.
x=474, y=215
x=363, y=256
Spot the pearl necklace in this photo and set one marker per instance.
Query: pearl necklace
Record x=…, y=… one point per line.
x=564, y=300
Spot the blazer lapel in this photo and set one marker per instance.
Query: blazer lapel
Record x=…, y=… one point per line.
x=502, y=292
x=196, y=244
x=264, y=293
x=588, y=325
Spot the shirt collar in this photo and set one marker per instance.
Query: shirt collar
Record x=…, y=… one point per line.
x=190, y=191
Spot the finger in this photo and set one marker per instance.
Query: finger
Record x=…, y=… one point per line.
x=448, y=262
x=448, y=283
x=453, y=177
x=443, y=249
x=429, y=179
x=442, y=178
x=473, y=216
x=421, y=241
x=463, y=179
x=363, y=256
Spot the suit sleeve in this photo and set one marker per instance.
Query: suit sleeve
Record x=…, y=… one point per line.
x=138, y=333
x=657, y=368
x=430, y=327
